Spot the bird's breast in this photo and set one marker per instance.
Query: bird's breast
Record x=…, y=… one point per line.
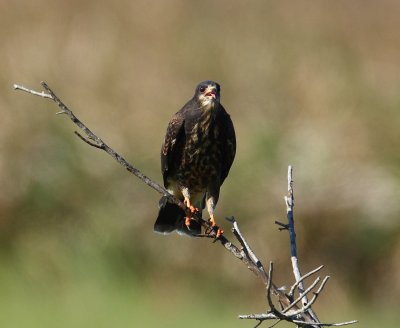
x=201, y=160
x=201, y=135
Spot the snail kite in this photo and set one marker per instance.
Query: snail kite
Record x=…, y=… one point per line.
x=196, y=156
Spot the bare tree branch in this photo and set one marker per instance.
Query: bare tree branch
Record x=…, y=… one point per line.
x=94, y=141
x=100, y=144
x=301, y=316
x=292, y=312
x=289, y=200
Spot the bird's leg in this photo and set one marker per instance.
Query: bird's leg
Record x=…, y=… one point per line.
x=212, y=220
x=192, y=210
x=189, y=205
x=210, y=208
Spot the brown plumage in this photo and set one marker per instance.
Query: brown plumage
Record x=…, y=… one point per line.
x=196, y=156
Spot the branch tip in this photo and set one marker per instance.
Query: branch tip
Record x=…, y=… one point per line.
x=269, y=284
x=283, y=226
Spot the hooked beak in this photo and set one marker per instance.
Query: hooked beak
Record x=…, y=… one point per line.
x=212, y=93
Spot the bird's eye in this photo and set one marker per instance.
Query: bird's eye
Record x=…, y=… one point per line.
x=202, y=89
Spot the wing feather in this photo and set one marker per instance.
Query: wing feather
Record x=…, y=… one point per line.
x=228, y=145
x=170, y=148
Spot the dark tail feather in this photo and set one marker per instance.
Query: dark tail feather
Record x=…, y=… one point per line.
x=171, y=217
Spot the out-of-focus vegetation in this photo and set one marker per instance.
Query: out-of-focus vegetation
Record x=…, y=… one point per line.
x=315, y=84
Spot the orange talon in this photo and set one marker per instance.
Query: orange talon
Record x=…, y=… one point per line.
x=192, y=210
x=214, y=224
x=190, y=206
x=219, y=232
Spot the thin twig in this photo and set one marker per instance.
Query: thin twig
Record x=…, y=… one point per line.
x=261, y=316
x=275, y=323
x=314, y=298
x=302, y=295
x=258, y=324
x=88, y=141
x=289, y=200
x=273, y=310
x=292, y=289
x=36, y=93
x=299, y=322
x=270, y=316
x=246, y=247
x=283, y=226
x=269, y=284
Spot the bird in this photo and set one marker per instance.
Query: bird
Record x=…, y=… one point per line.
x=197, y=153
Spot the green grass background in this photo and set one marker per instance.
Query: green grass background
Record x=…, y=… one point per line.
x=314, y=84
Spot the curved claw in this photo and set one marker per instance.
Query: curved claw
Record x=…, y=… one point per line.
x=218, y=231
x=190, y=206
x=192, y=209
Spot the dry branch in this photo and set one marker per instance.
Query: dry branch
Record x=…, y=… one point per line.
x=301, y=316
x=289, y=200
x=292, y=312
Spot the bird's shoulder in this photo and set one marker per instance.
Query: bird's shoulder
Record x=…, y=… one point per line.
x=225, y=120
x=173, y=130
x=179, y=118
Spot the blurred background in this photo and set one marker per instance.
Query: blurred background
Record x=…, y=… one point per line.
x=314, y=84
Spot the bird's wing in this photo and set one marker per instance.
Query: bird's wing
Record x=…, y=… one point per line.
x=173, y=139
x=228, y=144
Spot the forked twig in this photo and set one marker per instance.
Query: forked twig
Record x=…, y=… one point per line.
x=311, y=287
x=292, y=289
x=292, y=312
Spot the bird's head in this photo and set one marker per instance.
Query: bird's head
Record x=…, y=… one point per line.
x=207, y=93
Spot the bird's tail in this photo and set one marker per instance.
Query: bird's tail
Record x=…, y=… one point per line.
x=171, y=217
